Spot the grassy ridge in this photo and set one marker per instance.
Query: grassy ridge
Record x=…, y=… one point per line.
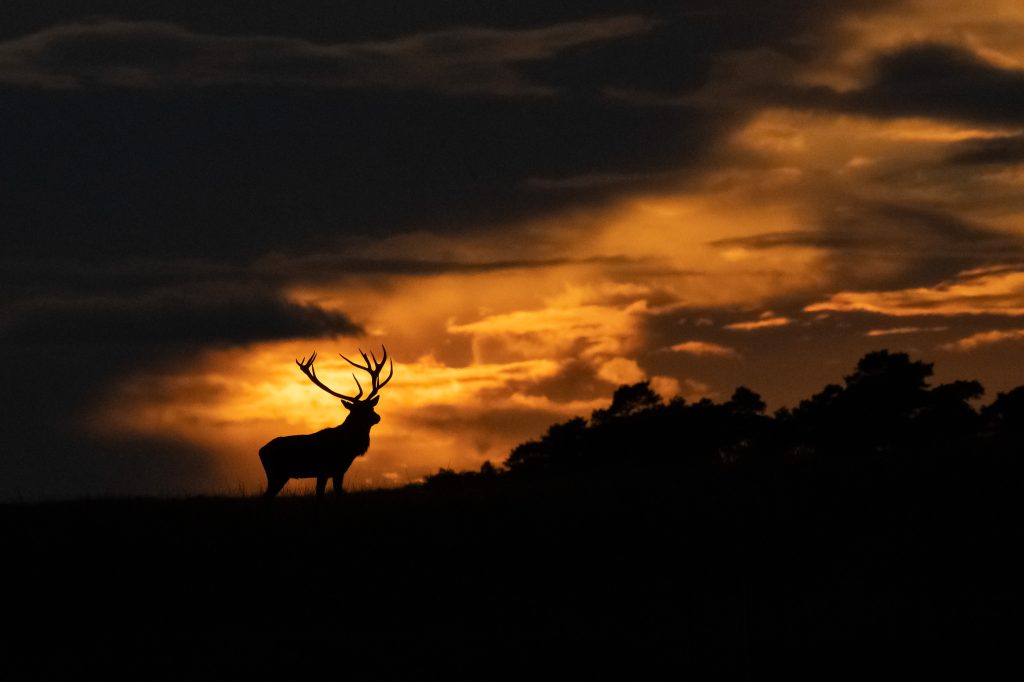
x=655, y=562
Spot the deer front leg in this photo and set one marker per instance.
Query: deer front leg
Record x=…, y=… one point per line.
x=321, y=486
x=338, y=490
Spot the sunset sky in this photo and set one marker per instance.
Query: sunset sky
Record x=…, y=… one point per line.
x=529, y=203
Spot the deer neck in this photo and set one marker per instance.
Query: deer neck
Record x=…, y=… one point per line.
x=355, y=434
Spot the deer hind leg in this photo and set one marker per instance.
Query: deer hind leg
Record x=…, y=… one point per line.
x=321, y=486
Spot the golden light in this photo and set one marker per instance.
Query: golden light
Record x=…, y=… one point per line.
x=997, y=291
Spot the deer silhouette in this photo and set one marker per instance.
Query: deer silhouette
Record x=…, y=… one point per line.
x=330, y=452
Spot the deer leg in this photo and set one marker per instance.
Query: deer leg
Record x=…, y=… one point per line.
x=274, y=486
x=321, y=486
x=338, y=490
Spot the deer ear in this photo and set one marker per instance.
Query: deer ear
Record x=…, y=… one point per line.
x=373, y=403
x=347, y=406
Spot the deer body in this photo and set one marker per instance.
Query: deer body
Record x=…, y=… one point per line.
x=328, y=453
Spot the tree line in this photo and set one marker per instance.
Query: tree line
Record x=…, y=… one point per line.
x=884, y=413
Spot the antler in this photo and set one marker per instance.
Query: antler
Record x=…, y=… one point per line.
x=307, y=368
x=373, y=370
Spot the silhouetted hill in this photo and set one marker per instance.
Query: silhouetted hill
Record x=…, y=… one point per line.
x=879, y=515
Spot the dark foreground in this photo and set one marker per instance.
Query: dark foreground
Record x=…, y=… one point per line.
x=613, y=570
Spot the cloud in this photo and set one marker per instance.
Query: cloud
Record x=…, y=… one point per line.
x=597, y=180
x=765, y=323
x=880, y=226
x=942, y=81
x=328, y=267
x=62, y=276
x=912, y=242
x=225, y=315
x=702, y=348
x=898, y=331
x=587, y=331
x=621, y=371
x=456, y=61
x=993, y=290
x=980, y=339
x=932, y=79
x=1001, y=149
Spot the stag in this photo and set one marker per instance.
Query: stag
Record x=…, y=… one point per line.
x=330, y=452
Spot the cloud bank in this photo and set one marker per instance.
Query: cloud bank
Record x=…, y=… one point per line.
x=457, y=61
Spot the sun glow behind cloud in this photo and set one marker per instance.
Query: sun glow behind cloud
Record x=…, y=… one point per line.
x=234, y=401
x=485, y=360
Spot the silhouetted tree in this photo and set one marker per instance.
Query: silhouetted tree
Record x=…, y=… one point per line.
x=1006, y=413
x=1003, y=422
x=947, y=420
x=562, y=444
x=626, y=401
x=883, y=411
x=745, y=401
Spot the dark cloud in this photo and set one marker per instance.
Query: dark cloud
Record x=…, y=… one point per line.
x=326, y=267
x=924, y=244
x=458, y=61
x=59, y=278
x=184, y=316
x=1005, y=149
x=930, y=80
x=265, y=160
x=944, y=82
x=593, y=181
x=231, y=174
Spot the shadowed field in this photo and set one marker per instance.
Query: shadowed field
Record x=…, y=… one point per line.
x=609, y=567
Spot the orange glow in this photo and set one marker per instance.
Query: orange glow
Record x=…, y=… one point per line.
x=991, y=290
x=474, y=349
x=903, y=330
x=765, y=323
x=704, y=348
x=234, y=401
x=980, y=339
x=843, y=143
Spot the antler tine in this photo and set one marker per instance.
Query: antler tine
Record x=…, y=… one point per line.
x=356, y=364
x=373, y=369
x=391, y=373
x=377, y=383
x=307, y=368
